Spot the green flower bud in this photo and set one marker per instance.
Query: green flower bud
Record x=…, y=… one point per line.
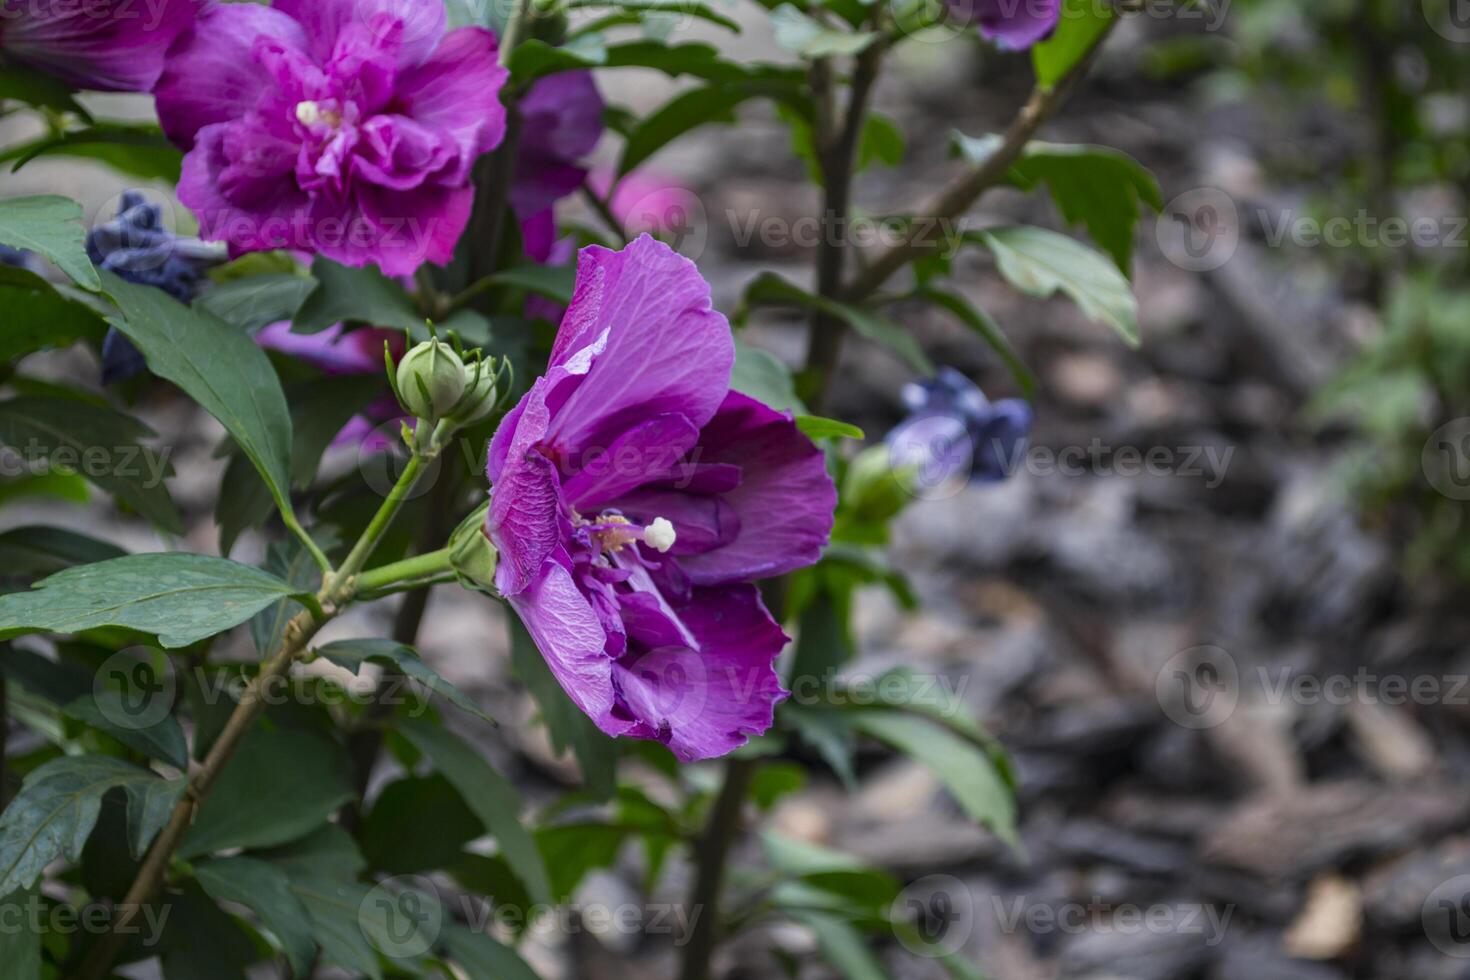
x=431, y=380
x=472, y=556
x=480, y=396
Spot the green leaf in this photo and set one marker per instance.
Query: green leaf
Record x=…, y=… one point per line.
x=179, y=597
x=100, y=444
x=707, y=104
x=352, y=654
x=976, y=319
x=265, y=890
x=293, y=564
x=335, y=910
x=20, y=943
x=965, y=769
x=138, y=149
x=57, y=807
x=38, y=550
x=817, y=427
x=802, y=35
x=280, y=786
x=1040, y=262
x=882, y=142
x=35, y=88
x=774, y=780
x=202, y=941
x=50, y=226
x=555, y=282
x=684, y=9
x=164, y=739
x=762, y=377
x=347, y=295
x=257, y=301
x=40, y=317
x=1100, y=188
x=328, y=852
x=218, y=366
x=489, y=795
x=1081, y=27
x=842, y=945
x=393, y=837
x=482, y=958
x=769, y=289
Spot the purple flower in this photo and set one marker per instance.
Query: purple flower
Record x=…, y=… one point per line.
x=636, y=498
x=347, y=128
x=1012, y=24
x=953, y=425
x=18, y=259
x=561, y=122
x=112, y=45
x=335, y=351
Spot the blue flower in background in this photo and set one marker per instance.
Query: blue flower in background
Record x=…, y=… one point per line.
x=954, y=434
x=137, y=247
x=21, y=260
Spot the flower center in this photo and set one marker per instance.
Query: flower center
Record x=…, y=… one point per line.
x=614, y=532
x=310, y=113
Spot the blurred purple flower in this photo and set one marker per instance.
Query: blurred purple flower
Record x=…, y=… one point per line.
x=1011, y=24
x=635, y=498
x=346, y=128
x=953, y=424
x=136, y=246
x=645, y=202
x=335, y=351
x=111, y=45
x=561, y=122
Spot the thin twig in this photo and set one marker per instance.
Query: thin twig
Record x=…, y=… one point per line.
x=965, y=191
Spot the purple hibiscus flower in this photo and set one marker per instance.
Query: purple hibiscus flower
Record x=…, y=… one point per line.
x=1012, y=24
x=347, y=128
x=111, y=45
x=561, y=122
x=635, y=498
x=336, y=351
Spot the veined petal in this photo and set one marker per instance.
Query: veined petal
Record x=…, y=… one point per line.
x=706, y=703
x=457, y=92
x=111, y=45
x=414, y=26
x=568, y=634
x=642, y=333
x=645, y=451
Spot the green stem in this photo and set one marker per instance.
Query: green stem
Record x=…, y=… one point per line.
x=410, y=570
x=309, y=543
x=513, y=30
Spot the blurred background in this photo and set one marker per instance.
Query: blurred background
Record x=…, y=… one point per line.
x=1218, y=612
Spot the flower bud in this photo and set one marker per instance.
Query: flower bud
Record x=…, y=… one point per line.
x=431, y=380
x=472, y=556
x=480, y=396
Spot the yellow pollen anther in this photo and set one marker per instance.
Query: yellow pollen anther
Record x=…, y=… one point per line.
x=310, y=113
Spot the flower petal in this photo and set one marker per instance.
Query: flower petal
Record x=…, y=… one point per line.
x=211, y=74
x=568, y=634
x=785, y=500
x=111, y=45
x=525, y=504
x=414, y=25
x=457, y=92
x=642, y=333
x=707, y=703
x=648, y=449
